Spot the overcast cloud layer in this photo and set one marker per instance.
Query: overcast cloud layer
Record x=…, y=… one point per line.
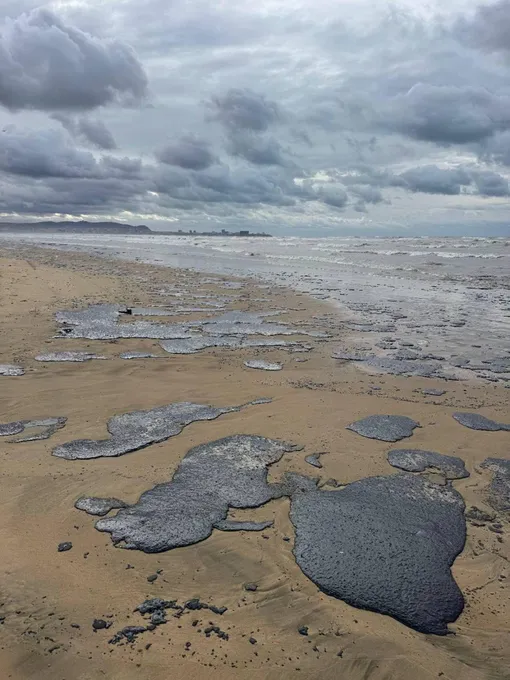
x=303, y=118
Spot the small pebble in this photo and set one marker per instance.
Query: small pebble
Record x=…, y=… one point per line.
x=64, y=547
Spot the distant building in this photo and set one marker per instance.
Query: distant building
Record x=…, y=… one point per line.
x=244, y=233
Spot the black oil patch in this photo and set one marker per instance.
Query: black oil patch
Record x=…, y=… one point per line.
x=138, y=429
x=417, y=460
x=385, y=544
x=498, y=494
x=211, y=478
x=384, y=428
x=475, y=421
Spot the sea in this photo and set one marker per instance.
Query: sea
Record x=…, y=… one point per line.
x=449, y=296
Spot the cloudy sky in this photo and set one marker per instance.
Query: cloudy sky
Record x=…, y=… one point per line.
x=295, y=116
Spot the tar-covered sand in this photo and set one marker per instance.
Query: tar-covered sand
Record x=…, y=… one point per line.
x=49, y=599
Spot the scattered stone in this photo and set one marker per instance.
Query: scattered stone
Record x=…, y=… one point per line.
x=384, y=428
x=65, y=546
x=263, y=365
x=11, y=370
x=129, y=633
x=314, y=460
x=217, y=610
x=416, y=460
x=252, y=641
x=152, y=578
x=98, y=506
x=155, y=604
x=155, y=607
x=138, y=429
x=68, y=356
x=303, y=630
x=385, y=544
x=250, y=587
x=212, y=477
x=475, y=421
x=433, y=392
x=100, y=624
x=217, y=630
x=158, y=618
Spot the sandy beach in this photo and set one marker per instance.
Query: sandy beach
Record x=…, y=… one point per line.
x=50, y=599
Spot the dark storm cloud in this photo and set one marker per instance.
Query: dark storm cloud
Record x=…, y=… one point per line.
x=333, y=196
x=52, y=153
x=94, y=132
x=44, y=154
x=257, y=149
x=367, y=193
x=364, y=176
x=192, y=153
x=246, y=117
x=496, y=150
x=488, y=28
x=430, y=179
x=246, y=185
x=490, y=183
x=49, y=65
x=243, y=109
x=446, y=115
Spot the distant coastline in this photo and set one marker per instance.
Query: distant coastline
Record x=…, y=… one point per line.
x=113, y=228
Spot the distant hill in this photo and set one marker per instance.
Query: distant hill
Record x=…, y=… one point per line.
x=83, y=227
x=74, y=227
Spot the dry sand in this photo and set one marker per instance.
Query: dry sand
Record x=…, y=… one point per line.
x=44, y=592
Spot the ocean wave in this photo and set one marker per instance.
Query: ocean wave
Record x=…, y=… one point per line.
x=483, y=256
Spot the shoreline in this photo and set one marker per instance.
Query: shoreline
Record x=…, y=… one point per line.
x=312, y=402
x=393, y=304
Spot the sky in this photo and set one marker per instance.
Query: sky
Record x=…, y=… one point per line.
x=299, y=117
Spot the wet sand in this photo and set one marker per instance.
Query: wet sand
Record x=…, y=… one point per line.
x=47, y=594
